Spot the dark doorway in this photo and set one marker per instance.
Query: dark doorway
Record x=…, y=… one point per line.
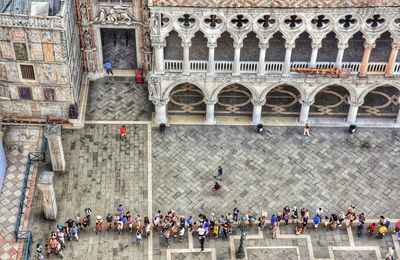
x=119, y=47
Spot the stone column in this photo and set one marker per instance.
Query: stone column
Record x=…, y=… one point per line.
x=159, y=57
x=339, y=58
x=365, y=59
x=314, y=54
x=186, y=62
x=392, y=60
x=210, y=119
x=161, y=111
x=398, y=118
x=288, y=55
x=305, y=108
x=261, y=60
x=353, y=109
x=236, y=61
x=53, y=135
x=45, y=185
x=257, y=109
x=211, y=61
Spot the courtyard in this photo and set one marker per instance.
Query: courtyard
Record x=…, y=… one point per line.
x=174, y=171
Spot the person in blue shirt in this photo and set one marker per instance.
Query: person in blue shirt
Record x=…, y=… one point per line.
x=317, y=220
x=273, y=220
x=107, y=66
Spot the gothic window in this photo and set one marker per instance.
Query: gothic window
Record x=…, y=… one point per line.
x=266, y=21
x=348, y=21
x=375, y=21
x=320, y=21
x=186, y=21
x=25, y=93
x=27, y=72
x=49, y=94
x=240, y=22
x=20, y=50
x=213, y=21
x=293, y=22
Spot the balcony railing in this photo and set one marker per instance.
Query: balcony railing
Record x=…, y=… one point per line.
x=374, y=68
x=396, y=70
x=198, y=65
x=173, y=65
x=248, y=66
x=223, y=66
x=41, y=22
x=273, y=67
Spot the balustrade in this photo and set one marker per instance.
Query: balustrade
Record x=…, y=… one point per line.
x=223, y=66
x=271, y=67
x=396, y=70
x=173, y=65
x=354, y=66
x=376, y=67
x=16, y=20
x=299, y=65
x=248, y=66
x=198, y=66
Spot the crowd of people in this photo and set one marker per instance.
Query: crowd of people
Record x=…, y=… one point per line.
x=172, y=225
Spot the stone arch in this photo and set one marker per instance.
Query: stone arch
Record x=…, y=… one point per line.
x=253, y=91
x=282, y=100
x=173, y=49
x=372, y=87
x=168, y=90
x=276, y=50
x=329, y=48
x=199, y=49
x=303, y=49
x=186, y=98
x=234, y=98
x=224, y=50
x=380, y=102
x=250, y=50
x=381, y=52
x=302, y=92
x=355, y=51
x=331, y=100
x=351, y=90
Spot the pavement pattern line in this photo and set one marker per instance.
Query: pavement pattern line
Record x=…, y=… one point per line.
x=351, y=238
x=272, y=247
x=354, y=248
x=149, y=187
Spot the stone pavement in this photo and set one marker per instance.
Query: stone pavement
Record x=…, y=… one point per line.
x=19, y=141
x=279, y=167
x=101, y=172
x=118, y=98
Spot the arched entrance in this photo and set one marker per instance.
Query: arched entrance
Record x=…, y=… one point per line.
x=282, y=101
x=331, y=101
x=186, y=98
x=234, y=99
x=381, y=102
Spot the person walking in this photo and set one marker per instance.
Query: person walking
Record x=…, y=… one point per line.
x=139, y=237
x=99, y=225
x=167, y=234
x=109, y=220
x=202, y=233
x=220, y=174
x=181, y=234
x=360, y=228
x=88, y=212
x=107, y=66
x=306, y=129
x=371, y=229
x=295, y=215
x=317, y=220
x=274, y=231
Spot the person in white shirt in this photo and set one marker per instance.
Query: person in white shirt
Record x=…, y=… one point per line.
x=181, y=234
x=201, y=232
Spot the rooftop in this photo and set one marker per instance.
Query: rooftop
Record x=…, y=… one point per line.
x=276, y=3
x=31, y=7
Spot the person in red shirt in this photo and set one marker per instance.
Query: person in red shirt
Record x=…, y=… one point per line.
x=122, y=132
x=371, y=229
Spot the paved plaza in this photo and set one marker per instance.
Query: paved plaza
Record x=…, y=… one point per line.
x=270, y=170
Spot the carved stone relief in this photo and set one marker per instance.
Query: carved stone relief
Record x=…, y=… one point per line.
x=50, y=73
x=60, y=53
x=6, y=50
x=34, y=36
x=87, y=38
x=84, y=12
x=115, y=15
x=21, y=53
x=4, y=34
x=154, y=89
x=3, y=71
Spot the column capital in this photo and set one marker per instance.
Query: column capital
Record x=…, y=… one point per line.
x=306, y=102
x=186, y=45
x=290, y=45
x=159, y=44
x=210, y=102
x=343, y=45
x=316, y=45
x=212, y=45
x=237, y=45
x=395, y=45
x=263, y=46
x=158, y=102
x=355, y=103
x=258, y=102
x=52, y=130
x=368, y=45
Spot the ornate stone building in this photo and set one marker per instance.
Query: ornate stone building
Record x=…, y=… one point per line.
x=243, y=58
x=115, y=31
x=40, y=61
